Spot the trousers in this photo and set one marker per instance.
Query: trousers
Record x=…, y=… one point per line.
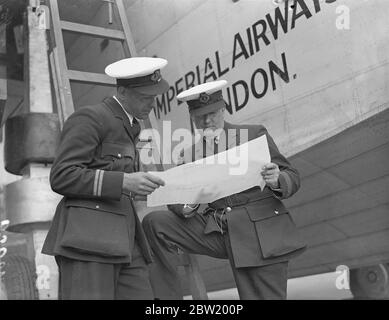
x=88, y=280
x=169, y=234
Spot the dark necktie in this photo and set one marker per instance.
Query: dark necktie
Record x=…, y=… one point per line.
x=135, y=128
x=215, y=146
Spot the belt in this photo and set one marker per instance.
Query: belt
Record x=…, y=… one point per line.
x=217, y=210
x=237, y=200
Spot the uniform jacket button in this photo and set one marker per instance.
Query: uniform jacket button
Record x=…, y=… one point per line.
x=119, y=155
x=276, y=211
x=228, y=209
x=97, y=207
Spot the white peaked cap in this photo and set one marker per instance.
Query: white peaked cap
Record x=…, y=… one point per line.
x=204, y=98
x=208, y=87
x=143, y=74
x=134, y=67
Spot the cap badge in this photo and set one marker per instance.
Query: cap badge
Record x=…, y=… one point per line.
x=204, y=98
x=156, y=76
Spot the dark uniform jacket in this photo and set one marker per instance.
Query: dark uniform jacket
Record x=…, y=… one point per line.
x=260, y=228
x=94, y=221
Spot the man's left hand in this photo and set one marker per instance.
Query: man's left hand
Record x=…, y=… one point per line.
x=270, y=173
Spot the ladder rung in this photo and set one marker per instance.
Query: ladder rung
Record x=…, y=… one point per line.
x=91, y=30
x=90, y=77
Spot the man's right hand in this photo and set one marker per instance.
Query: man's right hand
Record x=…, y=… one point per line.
x=141, y=183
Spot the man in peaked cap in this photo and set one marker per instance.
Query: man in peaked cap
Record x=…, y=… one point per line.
x=96, y=236
x=253, y=229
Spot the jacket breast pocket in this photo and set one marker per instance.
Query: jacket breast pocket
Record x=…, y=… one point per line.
x=92, y=229
x=121, y=156
x=276, y=231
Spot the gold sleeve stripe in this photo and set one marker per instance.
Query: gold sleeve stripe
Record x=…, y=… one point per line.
x=100, y=186
x=97, y=174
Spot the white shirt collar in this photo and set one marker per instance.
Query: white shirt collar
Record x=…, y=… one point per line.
x=130, y=117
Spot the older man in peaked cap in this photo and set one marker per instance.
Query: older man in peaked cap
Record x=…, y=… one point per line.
x=96, y=235
x=253, y=229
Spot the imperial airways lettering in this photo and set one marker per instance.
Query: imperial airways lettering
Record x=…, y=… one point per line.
x=246, y=45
